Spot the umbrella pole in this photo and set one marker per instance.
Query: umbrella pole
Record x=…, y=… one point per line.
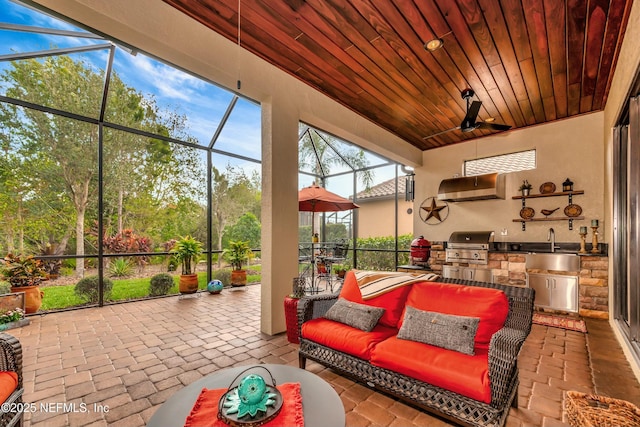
x=313, y=250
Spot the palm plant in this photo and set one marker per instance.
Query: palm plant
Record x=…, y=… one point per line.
x=187, y=250
x=319, y=153
x=238, y=253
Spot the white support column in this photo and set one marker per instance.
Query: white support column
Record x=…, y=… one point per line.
x=279, y=210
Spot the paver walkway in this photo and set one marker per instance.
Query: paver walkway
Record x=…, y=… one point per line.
x=118, y=363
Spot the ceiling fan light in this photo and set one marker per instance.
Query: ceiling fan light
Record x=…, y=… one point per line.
x=433, y=45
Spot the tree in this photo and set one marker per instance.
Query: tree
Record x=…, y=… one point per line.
x=247, y=228
x=68, y=145
x=318, y=154
x=59, y=155
x=233, y=195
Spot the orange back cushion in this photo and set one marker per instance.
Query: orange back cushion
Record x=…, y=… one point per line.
x=393, y=302
x=490, y=305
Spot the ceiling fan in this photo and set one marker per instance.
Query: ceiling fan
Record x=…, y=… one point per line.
x=469, y=122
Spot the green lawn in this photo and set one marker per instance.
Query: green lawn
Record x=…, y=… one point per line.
x=59, y=297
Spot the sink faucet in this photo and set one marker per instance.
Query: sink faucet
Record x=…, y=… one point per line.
x=552, y=237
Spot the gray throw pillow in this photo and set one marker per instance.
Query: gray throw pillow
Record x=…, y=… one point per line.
x=361, y=316
x=442, y=330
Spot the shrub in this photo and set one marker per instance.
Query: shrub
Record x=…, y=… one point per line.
x=223, y=275
x=87, y=289
x=382, y=257
x=119, y=267
x=67, y=271
x=5, y=287
x=160, y=284
x=173, y=263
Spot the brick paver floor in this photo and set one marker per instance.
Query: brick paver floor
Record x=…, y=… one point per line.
x=115, y=365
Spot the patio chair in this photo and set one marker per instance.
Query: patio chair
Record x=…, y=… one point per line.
x=341, y=249
x=10, y=381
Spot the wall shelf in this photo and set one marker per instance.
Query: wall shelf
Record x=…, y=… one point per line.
x=562, y=193
x=568, y=194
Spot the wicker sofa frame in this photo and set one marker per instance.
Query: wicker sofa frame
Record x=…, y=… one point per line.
x=11, y=360
x=503, y=358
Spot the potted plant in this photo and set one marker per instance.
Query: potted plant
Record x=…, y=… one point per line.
x=525, y=188
x=340, y=270
x=237, y=254
x=24, y=274
x=187, y=250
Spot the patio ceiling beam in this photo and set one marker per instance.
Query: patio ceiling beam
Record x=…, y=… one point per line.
x=53, y=52
x=51, y=31
x=335, y=151
x=49, y=110
x=361, y=169
x=116, y=126
x=311, y=174
x=225, y=117
x=315, y=151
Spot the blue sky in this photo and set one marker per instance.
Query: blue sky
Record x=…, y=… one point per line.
x=201, y=102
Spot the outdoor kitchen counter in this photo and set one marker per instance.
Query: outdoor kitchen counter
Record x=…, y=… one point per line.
x=509, y=268
x=545, y=247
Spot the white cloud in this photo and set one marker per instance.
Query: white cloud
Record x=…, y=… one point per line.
x=168, y=81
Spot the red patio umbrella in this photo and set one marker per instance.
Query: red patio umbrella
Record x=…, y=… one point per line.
x=317, y=199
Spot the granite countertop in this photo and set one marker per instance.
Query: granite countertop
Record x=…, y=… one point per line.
x=545, y=247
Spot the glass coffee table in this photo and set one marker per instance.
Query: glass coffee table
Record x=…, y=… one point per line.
x=321, y=404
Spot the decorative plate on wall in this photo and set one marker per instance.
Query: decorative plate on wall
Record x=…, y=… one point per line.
x=527, y=213
x=572, y=210
x=547, y=187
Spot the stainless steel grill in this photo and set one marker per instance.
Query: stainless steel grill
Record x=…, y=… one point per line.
x=470, y=247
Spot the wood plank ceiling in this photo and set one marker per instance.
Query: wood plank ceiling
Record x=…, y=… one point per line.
x=528, y=61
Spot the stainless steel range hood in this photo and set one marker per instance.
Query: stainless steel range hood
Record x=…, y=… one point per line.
x=479, y=187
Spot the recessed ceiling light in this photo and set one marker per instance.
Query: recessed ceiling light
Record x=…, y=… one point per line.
x=490, y=119
x=433, y=45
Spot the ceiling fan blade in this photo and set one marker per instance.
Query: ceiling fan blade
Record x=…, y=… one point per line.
x=469, y=122
x=440, y=133
x=492, y=126
x=472, y=112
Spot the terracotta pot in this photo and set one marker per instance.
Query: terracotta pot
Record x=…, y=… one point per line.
x=188, y=284
x=32, y=297
x=239, y=277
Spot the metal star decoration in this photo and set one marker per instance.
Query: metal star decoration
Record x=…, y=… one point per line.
x=433, y=210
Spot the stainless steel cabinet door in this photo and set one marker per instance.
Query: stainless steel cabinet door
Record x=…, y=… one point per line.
x=564, y=293
x=541, y=283
x=450, y=272
x=554, y=291
x=483, y=275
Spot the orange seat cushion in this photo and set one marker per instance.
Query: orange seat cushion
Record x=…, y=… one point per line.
x=393, y=302
x=461, y=373
x=8, y=384
x=345, y=338
x=490, y=305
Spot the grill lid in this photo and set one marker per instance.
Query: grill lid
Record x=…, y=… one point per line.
x=471, y=237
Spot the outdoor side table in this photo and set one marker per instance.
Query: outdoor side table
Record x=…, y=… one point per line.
x=321, y=404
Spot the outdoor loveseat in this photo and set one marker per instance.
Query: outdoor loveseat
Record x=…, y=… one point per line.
x=474, y=384
x=10, y=381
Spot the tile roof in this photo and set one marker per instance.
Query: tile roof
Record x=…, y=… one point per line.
x=384, y=190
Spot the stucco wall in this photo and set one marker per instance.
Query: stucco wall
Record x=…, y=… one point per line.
x=377, y=218
x=569, y=148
